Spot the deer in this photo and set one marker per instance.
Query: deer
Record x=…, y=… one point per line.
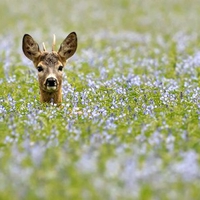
x=50, y=65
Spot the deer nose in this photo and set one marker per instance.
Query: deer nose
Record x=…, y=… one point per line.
x=51, y=82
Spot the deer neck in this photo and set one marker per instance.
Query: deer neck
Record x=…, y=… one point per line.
x=51, y=97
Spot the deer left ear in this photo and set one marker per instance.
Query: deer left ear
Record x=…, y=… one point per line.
x=30, y=47
x=68, y=46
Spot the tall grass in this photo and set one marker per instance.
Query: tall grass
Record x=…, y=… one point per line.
x=129, y=126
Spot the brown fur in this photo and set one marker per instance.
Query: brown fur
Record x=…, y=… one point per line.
x=49, y=65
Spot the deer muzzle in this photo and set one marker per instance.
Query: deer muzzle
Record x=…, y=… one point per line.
x=51, y=84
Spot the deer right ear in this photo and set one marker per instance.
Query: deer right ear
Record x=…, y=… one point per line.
x=68, y=46
x=30, y=48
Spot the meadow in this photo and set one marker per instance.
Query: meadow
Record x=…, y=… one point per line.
x=129, y=126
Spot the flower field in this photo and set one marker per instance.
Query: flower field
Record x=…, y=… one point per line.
x=129, y=126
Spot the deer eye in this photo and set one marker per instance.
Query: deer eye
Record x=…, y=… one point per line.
x=60, y=68
x=39, y=68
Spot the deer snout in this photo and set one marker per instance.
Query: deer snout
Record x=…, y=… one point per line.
x=51, y=83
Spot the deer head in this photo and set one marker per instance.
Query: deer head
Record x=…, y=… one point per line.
x=50, y=65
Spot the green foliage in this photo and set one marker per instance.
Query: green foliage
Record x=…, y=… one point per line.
x=129, y=123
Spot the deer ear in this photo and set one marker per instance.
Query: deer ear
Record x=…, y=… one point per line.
x=68, y=46
x=30, y=47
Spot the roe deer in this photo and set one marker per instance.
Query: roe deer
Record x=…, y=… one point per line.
x=50, y=65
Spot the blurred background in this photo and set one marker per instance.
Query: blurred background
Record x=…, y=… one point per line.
x=134, y=79
x=91, y=18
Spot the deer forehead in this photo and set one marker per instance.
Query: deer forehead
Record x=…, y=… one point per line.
x=50, y=59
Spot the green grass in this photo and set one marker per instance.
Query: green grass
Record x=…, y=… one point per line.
x=129, y=126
